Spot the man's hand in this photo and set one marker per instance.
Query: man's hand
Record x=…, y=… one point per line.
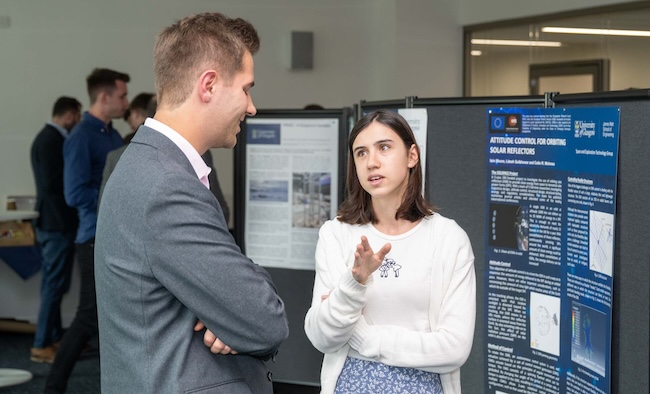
x=211, y=341
x=366, y=261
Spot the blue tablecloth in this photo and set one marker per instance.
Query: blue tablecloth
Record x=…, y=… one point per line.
x=25, y=260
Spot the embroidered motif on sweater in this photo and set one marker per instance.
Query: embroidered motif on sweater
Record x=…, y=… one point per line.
x=387, y=265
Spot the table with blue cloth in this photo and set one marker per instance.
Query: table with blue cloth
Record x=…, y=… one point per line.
x=26, y=262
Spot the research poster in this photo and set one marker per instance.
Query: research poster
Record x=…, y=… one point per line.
x=291, y=188
x=550, y=210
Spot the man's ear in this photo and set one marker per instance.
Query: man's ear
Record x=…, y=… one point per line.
x=102, y=95
x=207, y=85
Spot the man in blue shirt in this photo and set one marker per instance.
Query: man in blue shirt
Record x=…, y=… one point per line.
x=84, y=155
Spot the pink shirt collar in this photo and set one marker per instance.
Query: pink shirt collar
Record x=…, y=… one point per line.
x=200, y=168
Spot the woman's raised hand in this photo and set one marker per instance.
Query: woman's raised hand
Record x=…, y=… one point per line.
x=366, y=261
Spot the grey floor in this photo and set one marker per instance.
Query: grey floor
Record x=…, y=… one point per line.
x=14, y=353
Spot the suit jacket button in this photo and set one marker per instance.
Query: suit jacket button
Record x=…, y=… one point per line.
x=269, y=376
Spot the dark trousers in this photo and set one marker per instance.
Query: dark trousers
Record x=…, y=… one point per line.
x=57, y=252
x=83, y=327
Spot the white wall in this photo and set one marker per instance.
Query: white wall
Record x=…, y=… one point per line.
x=364, y=49
x=429, y=50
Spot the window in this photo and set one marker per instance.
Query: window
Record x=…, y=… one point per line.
x=529, y=56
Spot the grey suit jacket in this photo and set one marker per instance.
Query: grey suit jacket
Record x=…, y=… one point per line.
x=163, y=259
x=114, y=156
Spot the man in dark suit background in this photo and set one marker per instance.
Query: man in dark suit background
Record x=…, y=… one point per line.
x=56, y=225
x=166, y=265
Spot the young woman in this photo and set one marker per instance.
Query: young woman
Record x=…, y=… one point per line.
x=394, y=301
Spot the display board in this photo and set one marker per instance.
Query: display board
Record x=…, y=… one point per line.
x=456, y=184
x=457, y=164
x=288, y=181
x=366, y=107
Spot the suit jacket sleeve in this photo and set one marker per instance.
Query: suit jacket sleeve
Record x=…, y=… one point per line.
x=192, y=254
x=215, y=187
x=50, y=175
x=111, y=161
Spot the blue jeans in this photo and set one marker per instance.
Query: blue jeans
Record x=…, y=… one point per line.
x=57, y=252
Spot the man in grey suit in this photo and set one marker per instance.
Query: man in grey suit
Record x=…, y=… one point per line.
x=181, y=309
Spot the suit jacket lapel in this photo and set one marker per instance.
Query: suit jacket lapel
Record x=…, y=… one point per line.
x=160, y=142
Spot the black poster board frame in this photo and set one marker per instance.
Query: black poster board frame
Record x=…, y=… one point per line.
x=456, y=167
x=297, y=361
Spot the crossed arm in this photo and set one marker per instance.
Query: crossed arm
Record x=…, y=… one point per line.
x=211, y=341
x=194, y=257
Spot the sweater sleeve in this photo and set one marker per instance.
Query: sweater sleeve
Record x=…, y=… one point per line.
x=329, y=323
x=448, y=345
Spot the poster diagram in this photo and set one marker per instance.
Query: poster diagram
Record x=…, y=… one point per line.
x=312, y=199
x=545, y=323
x=601, y=241
x=588, y=334
x=509, y=226
x=269, y=190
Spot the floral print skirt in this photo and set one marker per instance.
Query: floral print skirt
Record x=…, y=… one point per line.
x=369, y=377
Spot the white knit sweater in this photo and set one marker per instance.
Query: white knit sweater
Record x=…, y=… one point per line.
x=335, y=325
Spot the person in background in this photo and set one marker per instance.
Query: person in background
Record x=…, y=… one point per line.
x=84, y=155
x=137, y=113
x=135, y=116
x=55, y=226
x=393, y=306
x=181, y=309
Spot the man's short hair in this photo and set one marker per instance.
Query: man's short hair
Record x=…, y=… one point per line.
x=139, y=103
x=103, y=80
x=204, y=40
x=64, y=104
